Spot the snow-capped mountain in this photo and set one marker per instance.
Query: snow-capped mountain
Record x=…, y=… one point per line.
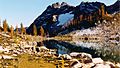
x=54, y=16
x=63, y=18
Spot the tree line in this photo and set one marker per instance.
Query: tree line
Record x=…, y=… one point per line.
x=19, y=31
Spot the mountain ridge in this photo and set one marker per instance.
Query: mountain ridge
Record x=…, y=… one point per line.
x=49, y=19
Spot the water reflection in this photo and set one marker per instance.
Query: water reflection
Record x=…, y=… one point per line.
x=65, y=47
x=106, y=50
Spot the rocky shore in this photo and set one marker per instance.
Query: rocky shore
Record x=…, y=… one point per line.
x=13, y=49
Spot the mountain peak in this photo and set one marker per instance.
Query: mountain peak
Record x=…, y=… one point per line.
x=114, y=7
x=58, y=5
x=64, y=13
x=63, y=4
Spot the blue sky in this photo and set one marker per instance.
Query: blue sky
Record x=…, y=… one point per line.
x=25, y=11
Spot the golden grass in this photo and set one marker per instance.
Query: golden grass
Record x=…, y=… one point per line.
x=26, y=61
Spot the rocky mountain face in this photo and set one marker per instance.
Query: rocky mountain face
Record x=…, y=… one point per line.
x=49, y=18
x=114, y=8
x=63, y=18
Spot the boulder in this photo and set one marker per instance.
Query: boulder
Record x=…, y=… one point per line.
x=86, y=61
x=66, y=56
x=102, y=66
x=73, y=54
x=97, y=60
x=75, y=64
x=85, y=55
x=112, y=65
x=88, y=65
x=7, y=57
x=80, y=55
x=43, y=48
x=118, y=65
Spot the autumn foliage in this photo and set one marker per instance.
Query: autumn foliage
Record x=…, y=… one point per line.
x=11, y=31
x=41, y=31
x=34, y=30
x=5, y=26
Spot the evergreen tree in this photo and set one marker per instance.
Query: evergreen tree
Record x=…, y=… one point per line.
x=22, y=29
x=90, y=18
x=81, y=16
x=34, y=30
x=5, y=26
x=16, y=31
x=102, y=10
x=106, y=13
x=41, y=31
x=99, y=12
x=11, y=31
x=0, y=30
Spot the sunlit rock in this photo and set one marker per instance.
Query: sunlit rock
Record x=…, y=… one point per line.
x=88, y=65
x=66, y=56
x=75, y=64
x=102, y=66
x=118, y=65
x=14, y=55
x=7, y=57
x=112, y=65
x=44, y=48
x=85, y=55
x=74, y=54
x=97, y=60
x=80, y=55
x=0, y=56
x=3, y=49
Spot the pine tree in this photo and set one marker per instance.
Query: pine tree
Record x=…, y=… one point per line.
x=41, y=31
x=106, y=13
x=5, y=26
x=102, y=10
x=90, y=17
x=16, y=31
x=12, y=31
x=34, y=30
x=0, y=30
x=22, y=29
x=99, y=12
x=81, y=16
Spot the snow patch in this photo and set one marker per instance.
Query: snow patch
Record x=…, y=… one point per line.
x=63, y=18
